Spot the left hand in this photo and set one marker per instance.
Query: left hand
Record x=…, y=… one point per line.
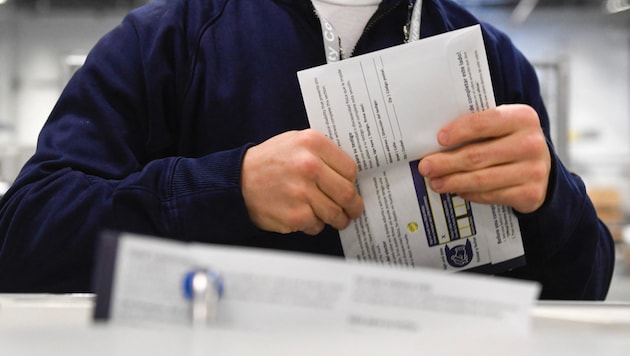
x=503, y=158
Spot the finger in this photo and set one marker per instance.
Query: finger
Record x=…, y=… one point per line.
x=328, y=211
x=301, y=217
x=525, y=200
x=330, y=153
x=491, y=123
x=312, y=206
x=339, y=201
x=522, y=186
x=314, y=228
x=473, y=156
x=492, y=178
x=339, y=190
x=292, y=218
x=342, y=192
x=495, y=177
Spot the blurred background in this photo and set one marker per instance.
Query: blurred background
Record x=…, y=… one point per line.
x=580, y=48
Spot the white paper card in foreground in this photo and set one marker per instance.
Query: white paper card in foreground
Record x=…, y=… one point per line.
x=278, y=291
x=384, y=109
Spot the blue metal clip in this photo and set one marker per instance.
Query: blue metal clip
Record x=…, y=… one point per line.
x=203, y=288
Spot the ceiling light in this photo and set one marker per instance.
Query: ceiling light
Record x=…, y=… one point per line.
x=614, y=6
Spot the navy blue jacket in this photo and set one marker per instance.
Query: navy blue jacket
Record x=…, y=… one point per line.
x=149, y=136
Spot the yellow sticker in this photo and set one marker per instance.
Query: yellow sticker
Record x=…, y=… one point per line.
x=412, y=226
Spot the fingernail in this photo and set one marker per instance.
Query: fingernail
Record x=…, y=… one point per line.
x=437, y=184
x=425, y=168
x=443, y=138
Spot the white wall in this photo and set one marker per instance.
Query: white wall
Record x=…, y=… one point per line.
x=33, y=46
x=41, y=42
x=6, y=49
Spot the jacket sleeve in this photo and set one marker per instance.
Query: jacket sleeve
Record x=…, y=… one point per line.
x=568, y=249
x=107, y=159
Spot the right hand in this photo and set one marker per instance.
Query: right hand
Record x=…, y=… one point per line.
x=300, y=181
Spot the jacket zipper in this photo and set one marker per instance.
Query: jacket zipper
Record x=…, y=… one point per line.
x=373, y=21
x=370, y=23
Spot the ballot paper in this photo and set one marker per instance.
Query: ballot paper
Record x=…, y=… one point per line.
x=139, y=281
x=384, y=109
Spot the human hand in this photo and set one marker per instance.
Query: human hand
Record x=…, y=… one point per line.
x=504, y=158
x=299, y=181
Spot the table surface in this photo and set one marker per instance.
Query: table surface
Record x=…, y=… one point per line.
x=62, y=325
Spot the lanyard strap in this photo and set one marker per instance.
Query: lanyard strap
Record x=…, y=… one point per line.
x=412, y=28
x=332, y=41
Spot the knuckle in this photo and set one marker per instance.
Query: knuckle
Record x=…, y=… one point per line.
x=478, y=123
x=529, y=194
x=353, y=171
x=309, y=137
x=337, y=218
x=347, y=195
x=527, y=114
x=486, y=197
x=355, y=210
x=539, y=172
x=298, y=190
x=477, y=180
x=296, y=219
x=308, y=164
x=285, y=230
x=531, y=197
x=534, y=142
x=316, y=228
x=475, y=155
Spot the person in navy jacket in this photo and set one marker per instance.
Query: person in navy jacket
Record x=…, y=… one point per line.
x=187, y=122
